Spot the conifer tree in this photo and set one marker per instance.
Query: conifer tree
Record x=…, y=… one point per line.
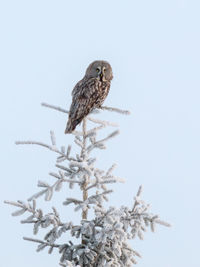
x=101, y=239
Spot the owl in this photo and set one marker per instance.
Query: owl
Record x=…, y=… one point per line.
x=89, y=93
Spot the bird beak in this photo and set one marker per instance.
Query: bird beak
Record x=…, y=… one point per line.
x=103, y=78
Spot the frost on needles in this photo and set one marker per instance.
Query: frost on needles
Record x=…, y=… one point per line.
x=102, y=240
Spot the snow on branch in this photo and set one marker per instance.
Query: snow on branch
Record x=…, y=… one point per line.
x=121, y=111
x=124, y=112
x=55, y=107
x=102, y=239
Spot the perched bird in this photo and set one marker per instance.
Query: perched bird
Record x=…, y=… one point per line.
x=89, y=93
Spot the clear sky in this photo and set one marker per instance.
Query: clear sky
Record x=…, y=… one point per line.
x=154, y=49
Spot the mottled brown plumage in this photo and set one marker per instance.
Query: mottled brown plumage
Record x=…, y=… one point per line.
x=89, y=93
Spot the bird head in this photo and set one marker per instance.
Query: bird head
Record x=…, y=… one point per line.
x=101, y=70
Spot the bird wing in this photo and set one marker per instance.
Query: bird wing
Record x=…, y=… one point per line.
x=77, y=87
x=85, y=95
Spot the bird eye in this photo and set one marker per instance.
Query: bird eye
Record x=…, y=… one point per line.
x=97, y=69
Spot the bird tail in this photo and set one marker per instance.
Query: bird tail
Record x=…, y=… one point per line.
x=71, y=125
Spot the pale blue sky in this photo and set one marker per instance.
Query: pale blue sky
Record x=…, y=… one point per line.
x=154, y=49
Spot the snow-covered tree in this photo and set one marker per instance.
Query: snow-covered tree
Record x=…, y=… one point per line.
x=101, y=239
